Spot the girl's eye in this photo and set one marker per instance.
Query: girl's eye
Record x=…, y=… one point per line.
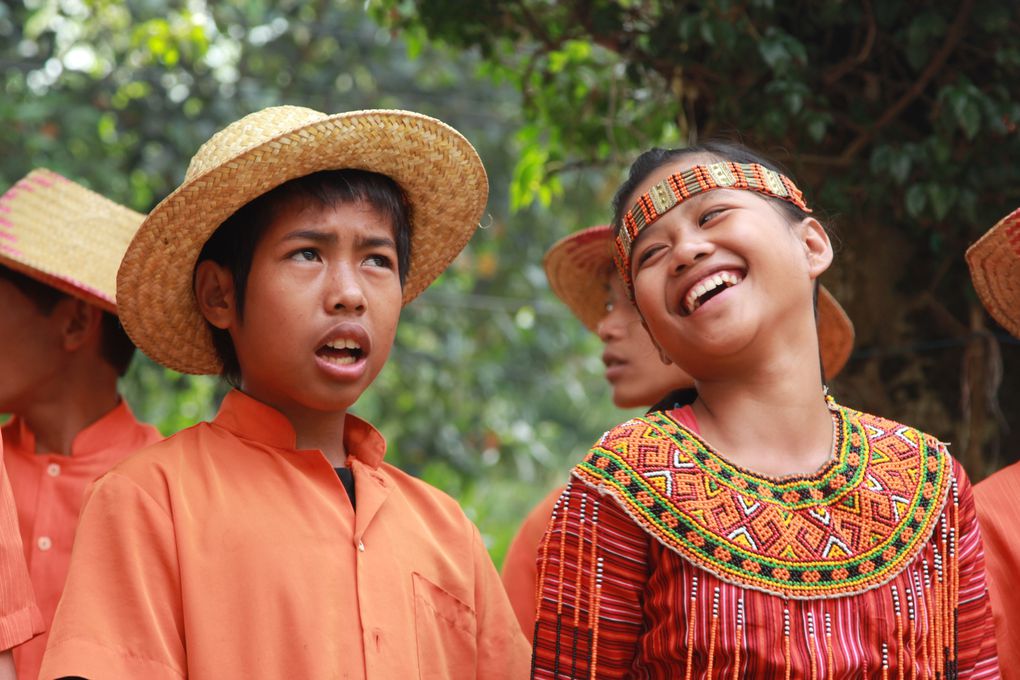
x=647, y=254
x=709, y=215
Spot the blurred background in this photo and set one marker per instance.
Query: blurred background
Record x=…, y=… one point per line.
x=899, y=121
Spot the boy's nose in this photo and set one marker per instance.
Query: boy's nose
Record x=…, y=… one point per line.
x=345, y=291
x=608, y=327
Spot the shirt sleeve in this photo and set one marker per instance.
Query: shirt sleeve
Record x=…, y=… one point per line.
x=519, y=573
x=976, y=655
x=503, y=651
x=592, y=571
x=120, y=615
x=20, y=618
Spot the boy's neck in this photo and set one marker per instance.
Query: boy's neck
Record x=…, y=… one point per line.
x=56, y=418
x=322, y=430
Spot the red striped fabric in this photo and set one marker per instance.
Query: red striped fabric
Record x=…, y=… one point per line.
x=615, y=603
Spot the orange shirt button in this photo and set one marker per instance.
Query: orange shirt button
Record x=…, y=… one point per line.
x=53, y=470
x=361, y=546
x=44, y=543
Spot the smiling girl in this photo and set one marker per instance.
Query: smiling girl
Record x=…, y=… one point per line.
x=764, y=530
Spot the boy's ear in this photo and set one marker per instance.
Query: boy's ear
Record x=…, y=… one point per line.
x=214, y=291
x=662, y=355
x=80, y=323
x=817, y=246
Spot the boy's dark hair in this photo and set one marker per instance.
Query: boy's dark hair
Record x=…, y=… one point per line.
x=233, y=243
x=115, y=347
x=655, y=158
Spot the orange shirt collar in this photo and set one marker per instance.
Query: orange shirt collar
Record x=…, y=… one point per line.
x=119, y=424
x=252, y=419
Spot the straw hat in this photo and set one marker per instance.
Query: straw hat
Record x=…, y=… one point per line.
x=580, y=265
x=437, y=168
x=994, y=263
x=65, y=236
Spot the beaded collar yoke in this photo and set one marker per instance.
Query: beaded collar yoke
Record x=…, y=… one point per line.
x=851, y=527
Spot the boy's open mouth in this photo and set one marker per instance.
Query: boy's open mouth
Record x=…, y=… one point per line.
x=341, y=351
x=707, y=288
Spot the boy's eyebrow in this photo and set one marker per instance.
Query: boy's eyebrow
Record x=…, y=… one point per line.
x=310, y=235
x=376, y=242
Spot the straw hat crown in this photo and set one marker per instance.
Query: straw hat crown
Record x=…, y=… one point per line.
x=66, y=236
x=249, y=132
x=436, y=167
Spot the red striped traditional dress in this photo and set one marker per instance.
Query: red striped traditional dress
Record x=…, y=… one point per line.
x=663, y=560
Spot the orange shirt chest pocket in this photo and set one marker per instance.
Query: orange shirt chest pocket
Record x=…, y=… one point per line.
x=445, y=630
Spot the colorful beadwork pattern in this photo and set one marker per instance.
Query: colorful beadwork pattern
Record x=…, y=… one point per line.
x=680, y=186
x=854, y=525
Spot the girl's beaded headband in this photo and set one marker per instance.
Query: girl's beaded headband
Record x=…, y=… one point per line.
x=680, y=186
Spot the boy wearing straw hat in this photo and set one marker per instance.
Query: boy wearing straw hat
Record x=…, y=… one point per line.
x=995, y=270
x=61, y=353
x=274, y=541
x=581, y=273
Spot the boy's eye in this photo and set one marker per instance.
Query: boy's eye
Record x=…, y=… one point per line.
x=379, y=261
x=305, y=255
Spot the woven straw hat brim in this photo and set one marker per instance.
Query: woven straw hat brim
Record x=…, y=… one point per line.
x=994, y=263
x=436, y=167
x=579, y=266
x=66, y=236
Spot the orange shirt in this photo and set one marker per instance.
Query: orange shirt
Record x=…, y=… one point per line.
x=520, y=570
x=999, y=515
x=48, y=490
x=223, y=552
x=19, y=616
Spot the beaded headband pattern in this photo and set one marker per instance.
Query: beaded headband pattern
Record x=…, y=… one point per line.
x=695, y=180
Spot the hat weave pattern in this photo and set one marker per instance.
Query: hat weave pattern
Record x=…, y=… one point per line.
x=994, y=263
x=438, y=170
x=66, y=236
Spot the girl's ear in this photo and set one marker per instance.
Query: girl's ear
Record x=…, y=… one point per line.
x=817, y=246
x=214, y=291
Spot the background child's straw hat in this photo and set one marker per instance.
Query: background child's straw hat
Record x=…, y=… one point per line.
x=437, y=168
x=65, y=236
x=995, y=269
x=580, y=265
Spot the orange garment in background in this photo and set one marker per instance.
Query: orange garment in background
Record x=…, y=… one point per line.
x=998, y=509
x=19, y=616
x=48, y=490
x=520, y=566
x=223, y=552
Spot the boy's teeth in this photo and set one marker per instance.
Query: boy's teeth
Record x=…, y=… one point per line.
x=343, y=343
x=341, y=360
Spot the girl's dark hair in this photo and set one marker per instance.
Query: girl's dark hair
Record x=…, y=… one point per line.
x=115, y=346
x=655, y=158
x=233, y=244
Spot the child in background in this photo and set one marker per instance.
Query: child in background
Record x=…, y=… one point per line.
x=61, y=353
x=581, y=273
x=995, y=269
x=764, y=530
x=274, y=541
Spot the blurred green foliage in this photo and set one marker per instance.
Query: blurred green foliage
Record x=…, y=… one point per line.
x=493, y=387
x=898, y=119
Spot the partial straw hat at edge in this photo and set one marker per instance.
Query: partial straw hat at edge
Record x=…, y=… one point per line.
x=435, y=166
x=994, y=262
x=66, y=236
x=579, y=267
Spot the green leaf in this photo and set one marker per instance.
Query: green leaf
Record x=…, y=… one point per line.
x=917, y=199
